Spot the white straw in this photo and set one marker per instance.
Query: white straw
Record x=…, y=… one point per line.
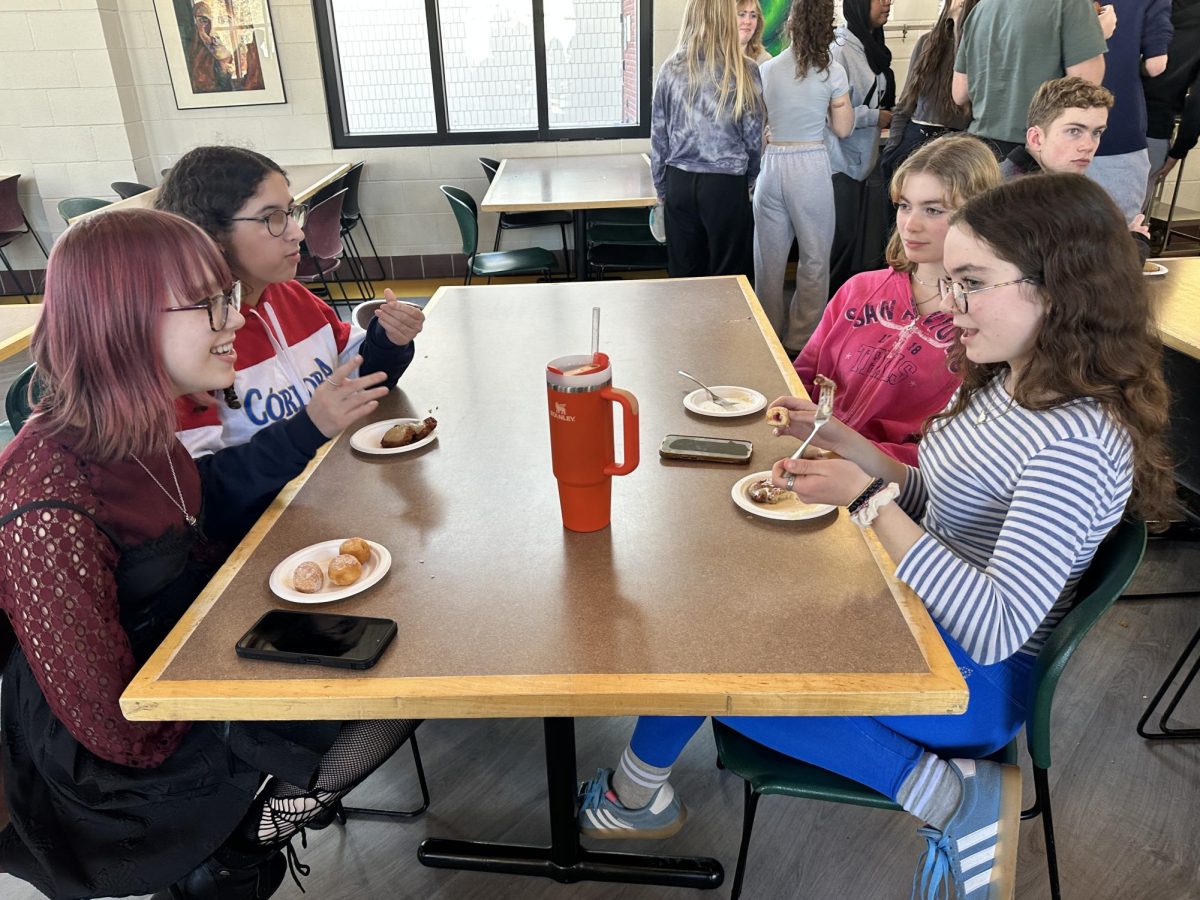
x=595, y=330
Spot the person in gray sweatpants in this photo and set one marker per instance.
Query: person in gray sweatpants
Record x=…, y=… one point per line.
x=793, y=198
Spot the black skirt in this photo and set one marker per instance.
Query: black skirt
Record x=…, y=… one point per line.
x=86, y=827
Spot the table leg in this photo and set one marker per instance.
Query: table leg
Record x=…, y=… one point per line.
x=565, y=860
x=581, y=267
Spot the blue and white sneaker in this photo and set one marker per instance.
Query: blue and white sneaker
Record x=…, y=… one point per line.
x=977, y=852
x=601, y=815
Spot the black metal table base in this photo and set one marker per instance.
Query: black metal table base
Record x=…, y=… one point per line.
x=565, y=860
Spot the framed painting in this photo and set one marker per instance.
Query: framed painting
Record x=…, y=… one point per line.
x=220, y=52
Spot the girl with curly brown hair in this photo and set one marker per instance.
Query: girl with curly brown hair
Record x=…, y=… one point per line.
x=793, y=199
x=1056, y=435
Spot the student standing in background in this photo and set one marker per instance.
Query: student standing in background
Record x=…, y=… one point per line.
x=858, y=47
x=1140, y=44
x=706, y=135
x=793, y=200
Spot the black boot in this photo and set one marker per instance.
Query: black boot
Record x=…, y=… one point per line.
x=215, y=879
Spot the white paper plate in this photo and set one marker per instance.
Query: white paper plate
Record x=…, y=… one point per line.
x=367, y=438
x=322, y=554
x=748, y=401
x=1158, y=269
x=791, y=509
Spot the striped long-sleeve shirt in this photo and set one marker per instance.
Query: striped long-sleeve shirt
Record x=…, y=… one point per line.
x=1014, y=504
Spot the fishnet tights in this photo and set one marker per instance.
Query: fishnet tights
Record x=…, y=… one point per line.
x=282, y=809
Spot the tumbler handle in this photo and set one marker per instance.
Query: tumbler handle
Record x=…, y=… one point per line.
x=629, y=409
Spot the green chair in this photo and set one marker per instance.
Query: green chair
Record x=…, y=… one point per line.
x=768, y=772
x=77, y=206
x=528, y=261
x=22, y=396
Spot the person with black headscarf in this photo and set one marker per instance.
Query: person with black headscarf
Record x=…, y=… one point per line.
x=860, y=48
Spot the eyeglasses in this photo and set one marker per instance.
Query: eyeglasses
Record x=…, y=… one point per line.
x=958, y=294
x=218, y=306
x=748, y=14
x=277, y=219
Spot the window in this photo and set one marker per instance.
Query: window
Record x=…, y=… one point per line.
x=404, y=72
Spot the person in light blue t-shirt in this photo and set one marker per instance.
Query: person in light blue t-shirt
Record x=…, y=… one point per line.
x=793, y=199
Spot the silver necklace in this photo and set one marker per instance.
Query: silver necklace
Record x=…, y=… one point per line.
x=921, y=280
x=187, y=517
x=987, y=416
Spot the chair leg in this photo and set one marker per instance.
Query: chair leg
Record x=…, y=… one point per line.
x=748, y=811
x=367, y=231
x=343, y=812
x=499, y=228
x=358, y=269
x=16, y=280
x=1165, y=732
x=566, y=253
x=41, y=246
x=1041, y=783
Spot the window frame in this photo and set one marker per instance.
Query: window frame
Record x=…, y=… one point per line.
x=336, y=106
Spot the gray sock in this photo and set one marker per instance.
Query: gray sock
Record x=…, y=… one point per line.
x=932, y=791
x=636, y=782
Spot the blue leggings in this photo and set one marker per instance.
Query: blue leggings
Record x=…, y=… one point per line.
x=878, y=752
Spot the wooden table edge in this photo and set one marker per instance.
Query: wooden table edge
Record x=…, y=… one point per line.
x=313, y=188
x=15, y=343
x=941, y=690
x=522, y=696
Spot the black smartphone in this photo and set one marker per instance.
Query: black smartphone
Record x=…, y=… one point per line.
x=319, y=639
x=705, y=449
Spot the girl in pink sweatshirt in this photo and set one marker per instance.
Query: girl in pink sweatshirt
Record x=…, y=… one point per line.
x=883, y=339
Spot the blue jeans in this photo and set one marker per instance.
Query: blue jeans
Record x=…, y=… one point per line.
x=878, y=752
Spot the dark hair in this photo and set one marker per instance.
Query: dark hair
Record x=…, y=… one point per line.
x=932, y=76
x=210, y=184
x=1098, y=338
x=810, y=29
x=99, y=364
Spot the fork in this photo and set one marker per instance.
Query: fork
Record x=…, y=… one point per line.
x=720, y=401
x=823, y=414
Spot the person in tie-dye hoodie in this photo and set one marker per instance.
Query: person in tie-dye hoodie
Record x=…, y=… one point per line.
x=706, y=136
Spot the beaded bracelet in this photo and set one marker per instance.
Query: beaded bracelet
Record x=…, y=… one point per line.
x=869, y=512
x=868, y=492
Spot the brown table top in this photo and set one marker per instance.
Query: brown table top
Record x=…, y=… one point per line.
x=306, y=180
x=16, y=327
x=1178, y=297
x=685, y=604
x=603, y=181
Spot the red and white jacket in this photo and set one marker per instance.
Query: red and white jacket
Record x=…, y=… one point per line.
x=291, y=342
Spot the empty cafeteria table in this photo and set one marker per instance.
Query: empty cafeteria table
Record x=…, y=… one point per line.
x=575, y=183
x=678, y=607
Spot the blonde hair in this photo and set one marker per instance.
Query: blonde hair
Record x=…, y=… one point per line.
x=708, y=45
x=965, y=166
x=754, y=47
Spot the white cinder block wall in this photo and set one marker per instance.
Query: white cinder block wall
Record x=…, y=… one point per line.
x=87, y=101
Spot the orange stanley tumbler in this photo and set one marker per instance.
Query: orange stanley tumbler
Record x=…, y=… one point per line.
x=580, y=393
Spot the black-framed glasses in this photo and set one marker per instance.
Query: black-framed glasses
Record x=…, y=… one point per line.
x=958, y=293
x=277, y=219
x=218, y=306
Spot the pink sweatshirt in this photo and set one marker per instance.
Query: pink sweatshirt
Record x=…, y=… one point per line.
x=889, y=365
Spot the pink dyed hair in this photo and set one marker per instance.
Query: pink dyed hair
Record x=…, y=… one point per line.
x=99, y=366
